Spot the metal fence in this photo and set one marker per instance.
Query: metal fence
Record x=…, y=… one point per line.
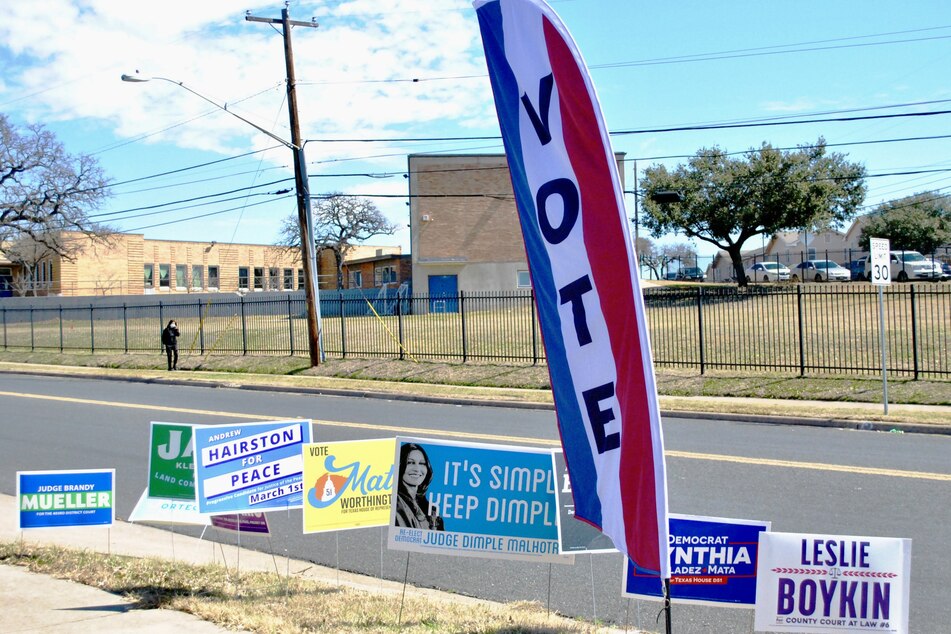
x=803, y=328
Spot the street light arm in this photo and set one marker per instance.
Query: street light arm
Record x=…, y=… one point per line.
x=141, y=79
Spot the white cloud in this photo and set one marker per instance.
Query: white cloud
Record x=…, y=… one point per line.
x=70, y=54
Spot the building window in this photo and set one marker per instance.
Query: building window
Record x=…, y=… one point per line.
x=258, y=278
x=523, y=279
x=356, y=279
x=273, y=278
x=383, y=275
x=181, y=276
x=288, y=279
x=243, y=278
x=197, y=275
x=148, y=278
x=213, y=277
x=300, y=279
x=164, y=273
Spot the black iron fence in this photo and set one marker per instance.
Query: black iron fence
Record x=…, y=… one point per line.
x=804, y=328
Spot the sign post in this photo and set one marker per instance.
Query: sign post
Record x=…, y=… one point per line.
x=881, y=276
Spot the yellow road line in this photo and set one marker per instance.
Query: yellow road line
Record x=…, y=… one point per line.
x=406, y=431
x=815, y=466
x=421, y=431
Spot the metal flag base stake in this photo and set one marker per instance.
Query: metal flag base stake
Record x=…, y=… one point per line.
x=666, y=609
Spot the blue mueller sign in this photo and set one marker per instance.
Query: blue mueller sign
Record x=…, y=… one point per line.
x=54, y=499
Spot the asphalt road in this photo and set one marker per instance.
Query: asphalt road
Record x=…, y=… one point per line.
x=803, y=479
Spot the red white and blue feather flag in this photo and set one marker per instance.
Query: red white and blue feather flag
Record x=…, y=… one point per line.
x=582, y=262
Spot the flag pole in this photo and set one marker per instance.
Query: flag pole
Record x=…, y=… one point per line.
x=667, y=605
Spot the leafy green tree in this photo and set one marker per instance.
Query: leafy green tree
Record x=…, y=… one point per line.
x=727, y=200
x=921, y=222
x=45, y=191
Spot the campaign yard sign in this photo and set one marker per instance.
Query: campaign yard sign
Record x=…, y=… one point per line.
x=832, y=583
x=250, y=467
x=712, y=561
x=347, y=484
x=54, y=499
x=171, y=463
x=576, y=536
x=253, y=523
x=475, y=500
x=167, y=511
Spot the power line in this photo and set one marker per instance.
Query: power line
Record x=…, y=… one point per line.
x=188, y=200
x=213, y=213
x=198, y=181
x=177, y=171
x=738, y=123
x=688, y=128
x=244, y=196
x=760, y=53
x=803, y=47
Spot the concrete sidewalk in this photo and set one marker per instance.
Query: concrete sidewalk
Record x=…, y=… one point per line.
x=38, y=603
x=32, y=602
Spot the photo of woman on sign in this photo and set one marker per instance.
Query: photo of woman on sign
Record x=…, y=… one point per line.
x=413, y=510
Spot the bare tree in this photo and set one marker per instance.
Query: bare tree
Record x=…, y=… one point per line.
x=28, y=254
x=44, y=191
x=658, y=257
x=339, y=223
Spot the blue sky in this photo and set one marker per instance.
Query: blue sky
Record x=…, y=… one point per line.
x=654, y=64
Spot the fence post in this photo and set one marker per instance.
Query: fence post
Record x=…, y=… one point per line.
x=61, y=328
x=462, y=315
x=399, y=324
x=125, y=328
x=32, y=338
x=343, y=325
x=4, y=327
x=914, y=331
x=201, y=328
x=244, y=329
x=290, y=323
x=534, y=325
x=161, y=323
x=703, y=361
x=92, y=332
x=802, y=340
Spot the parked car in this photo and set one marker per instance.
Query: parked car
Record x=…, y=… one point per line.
x=857, y=269
x=670, y=275
x=767, y=272
x=909, y=265
x=820, y=271
x=691, y=274
x=946, y=271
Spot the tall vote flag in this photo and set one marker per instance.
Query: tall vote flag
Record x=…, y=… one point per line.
x=582, y=263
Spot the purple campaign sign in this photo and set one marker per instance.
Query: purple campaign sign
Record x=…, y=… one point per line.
x=255, y=523
x=712, y=560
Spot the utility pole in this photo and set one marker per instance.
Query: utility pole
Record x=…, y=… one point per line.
x=304, y=216
x=637, y=210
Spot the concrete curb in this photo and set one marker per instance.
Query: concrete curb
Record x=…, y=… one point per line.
x=765, y=419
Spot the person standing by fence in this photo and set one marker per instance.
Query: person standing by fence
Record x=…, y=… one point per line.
x=170, y=337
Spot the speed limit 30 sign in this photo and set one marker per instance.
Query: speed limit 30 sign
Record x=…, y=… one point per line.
x=881, y=270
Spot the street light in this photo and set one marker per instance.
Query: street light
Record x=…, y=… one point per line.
x=308, y=255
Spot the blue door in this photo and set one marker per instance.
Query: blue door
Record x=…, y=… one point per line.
x=443, y=293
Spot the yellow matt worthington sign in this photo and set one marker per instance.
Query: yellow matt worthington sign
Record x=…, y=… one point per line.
x=347, y=484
